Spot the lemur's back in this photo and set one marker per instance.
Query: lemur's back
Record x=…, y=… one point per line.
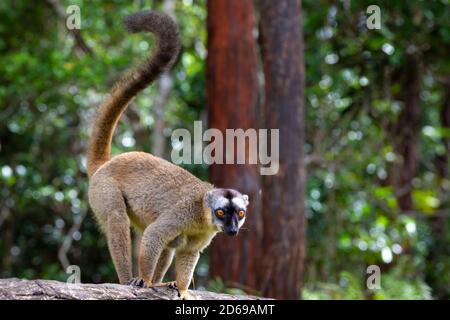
x=149, y=185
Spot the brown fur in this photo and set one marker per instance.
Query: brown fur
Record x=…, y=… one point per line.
x=162, y=200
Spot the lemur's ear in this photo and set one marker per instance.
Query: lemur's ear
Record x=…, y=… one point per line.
x=246, y=201
x=209, y=196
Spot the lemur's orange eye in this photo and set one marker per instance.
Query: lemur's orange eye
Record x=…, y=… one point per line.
x=220, y=213
x=241, y=214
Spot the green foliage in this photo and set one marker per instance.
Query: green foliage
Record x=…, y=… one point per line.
x=349, y=288
x=353, y=84
x=393, y=287
x=217, y=285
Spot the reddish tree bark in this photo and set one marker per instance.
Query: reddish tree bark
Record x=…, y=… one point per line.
x=233, y=103
x=282, y=264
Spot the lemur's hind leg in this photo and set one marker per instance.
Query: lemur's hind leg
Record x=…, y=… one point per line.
x=119, y=244
x=109, y=207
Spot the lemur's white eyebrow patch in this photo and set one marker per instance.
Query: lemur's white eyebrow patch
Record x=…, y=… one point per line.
x=221, y=202
x=239, y=202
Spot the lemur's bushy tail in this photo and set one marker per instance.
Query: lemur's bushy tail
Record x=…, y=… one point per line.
x=166, y=31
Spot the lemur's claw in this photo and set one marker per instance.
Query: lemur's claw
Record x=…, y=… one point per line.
x=138, y=282
x=169, y=284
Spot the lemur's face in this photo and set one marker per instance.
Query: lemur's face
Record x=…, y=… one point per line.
x=228, y=209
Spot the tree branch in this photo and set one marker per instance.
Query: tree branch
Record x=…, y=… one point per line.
x=21, y=289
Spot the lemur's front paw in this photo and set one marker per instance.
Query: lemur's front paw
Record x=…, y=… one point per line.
x=185, y=295
x=138, y=282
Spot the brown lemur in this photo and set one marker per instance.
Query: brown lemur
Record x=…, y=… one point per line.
x=177, y=213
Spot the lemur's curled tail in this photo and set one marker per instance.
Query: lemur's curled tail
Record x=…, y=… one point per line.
x=166, y=31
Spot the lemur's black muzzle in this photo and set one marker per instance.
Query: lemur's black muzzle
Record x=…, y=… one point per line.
x=232, y=232
x=231, y=225
x=232, y=229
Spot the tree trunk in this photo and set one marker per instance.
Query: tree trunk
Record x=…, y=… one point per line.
x=233, y=103
x=20, y=289
x=406, y=134
x=282, y=265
